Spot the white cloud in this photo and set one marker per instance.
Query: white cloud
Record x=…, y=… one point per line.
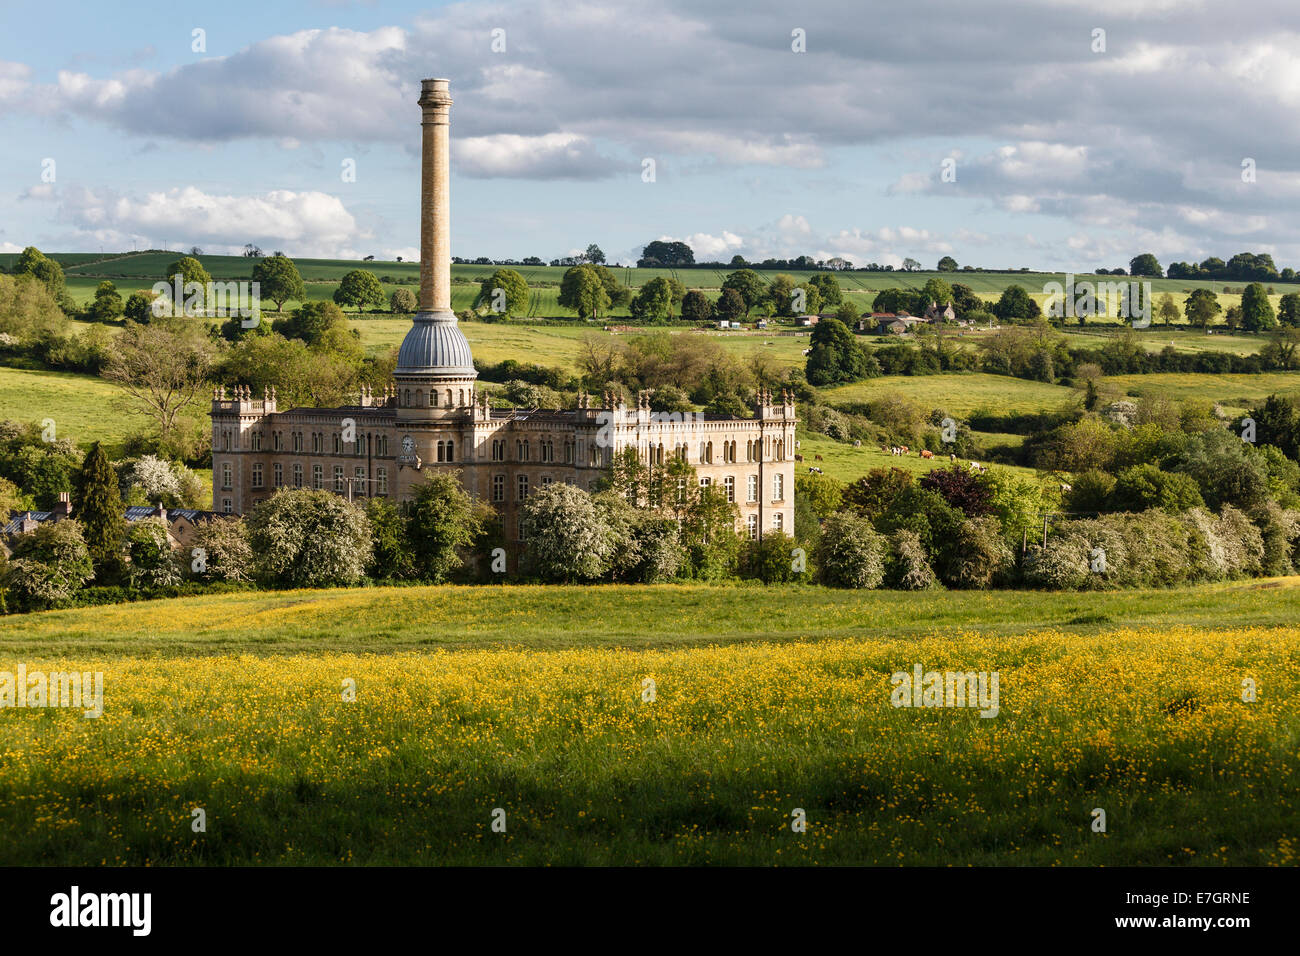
x=549, y=156
x=310, y=223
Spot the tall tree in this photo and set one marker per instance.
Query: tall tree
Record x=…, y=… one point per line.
x=34, y=262
x=747, y=284
x=1256, y=310
x=1145, y=264
x=504, y=292
x=1201, y=307
x=359, y=288
x=97, y=506
x=442, y=519
x=582, y=291
x=162, y=366
x=278, y=280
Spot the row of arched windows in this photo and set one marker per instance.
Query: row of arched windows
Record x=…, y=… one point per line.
x=434, y=396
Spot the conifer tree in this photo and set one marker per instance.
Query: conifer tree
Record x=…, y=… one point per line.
x=97, y=506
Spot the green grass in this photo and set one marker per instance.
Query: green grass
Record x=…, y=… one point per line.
x=84, y=408
x=1235, y=392
x=385, y=620
x=959, y=393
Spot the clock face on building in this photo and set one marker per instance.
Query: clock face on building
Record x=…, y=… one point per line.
x=408, y=445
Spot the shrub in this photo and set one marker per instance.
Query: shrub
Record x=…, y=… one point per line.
x=149, y=551
x=979, y=555
x=1061, y=565
x=220, y=551
x=907, y=567
x=850, y=553
x=305, y=538
x=48, y=566
x=567, y=538
x=769, y=559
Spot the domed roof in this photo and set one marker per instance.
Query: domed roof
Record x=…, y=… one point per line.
x=435, y=344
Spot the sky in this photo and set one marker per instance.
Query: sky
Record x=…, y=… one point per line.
x=1005, y=133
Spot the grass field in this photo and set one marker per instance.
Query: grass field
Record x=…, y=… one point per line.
x=84, y=408
x=532, y=701
x=1235, y=392
x=959, y=393
x=131, y=271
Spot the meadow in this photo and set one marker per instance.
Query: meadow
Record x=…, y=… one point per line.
x=534, y=702
x=139, y=270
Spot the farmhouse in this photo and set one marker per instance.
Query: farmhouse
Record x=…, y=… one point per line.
x=432, y=417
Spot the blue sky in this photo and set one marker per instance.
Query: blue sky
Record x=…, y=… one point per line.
x=1066, y=156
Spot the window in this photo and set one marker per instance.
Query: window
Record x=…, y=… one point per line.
x=778, y=487
x=317, y=477
x=749, y=451
x=498, y=487
x=278, y=470
x=568, y=453
x=548, y=450
x=227, y=506
x=297, y=475
x=521, y=450
x=498, y=449
x=546, y=481
x=381, y=480
x=296, y=439
x=227, y=475
x=523, y=487
x=752, y=523
x=730, y=484
x=681, y=489
x=359, y=445
x=520, y=532
x=361, y=489
x=225, y=440
x=338, y=444
x=257, y=475
x=317, y=443
x=705, y=482
x=338, y=479
x=753, y=488
x=707, y=457
x=256, y=439
x=275, y=441
x=382, y=450
x=778, y=521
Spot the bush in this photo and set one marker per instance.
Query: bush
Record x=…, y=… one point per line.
x=770, y=560
x=567, y=539
x=1061, y=565
x=49, y=565
x=850, y=554
x=220, y=552
x=309, y=539
x=907, y=567
x=149, y=551
x=979, y=556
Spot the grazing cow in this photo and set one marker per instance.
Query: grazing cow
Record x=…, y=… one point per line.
x=884, y=448
x=904, y=450
x=798, y=457
x=818, y=458
x=926, y=453
x=1065, y=487
x=857, y=444
x=952, y=457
